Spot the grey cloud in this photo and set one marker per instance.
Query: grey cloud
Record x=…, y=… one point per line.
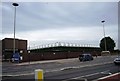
x=39, y=16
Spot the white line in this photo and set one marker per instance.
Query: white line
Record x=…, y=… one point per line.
x=96, y=64
x=67, y=68
x=77, y=67
x=106, y=72
x=60, y=69
x=74, y=79
x=109, y=76
x=18, y=75
x=86, y=76
x=83, y=77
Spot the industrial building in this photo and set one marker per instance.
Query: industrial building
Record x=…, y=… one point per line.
x=48, y=53
x=7, y=47
x=61, y=52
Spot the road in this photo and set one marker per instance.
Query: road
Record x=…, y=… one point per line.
x=90, y=73
x=113, y=77
x=66, y=70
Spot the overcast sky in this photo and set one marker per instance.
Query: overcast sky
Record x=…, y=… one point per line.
x=72, y=22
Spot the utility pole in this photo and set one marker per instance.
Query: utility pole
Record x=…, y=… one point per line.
x=104, y=35
x=15, y=5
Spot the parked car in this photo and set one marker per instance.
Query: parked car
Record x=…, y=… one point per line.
x=117, y=60
x=85, y=57
x=16, y=58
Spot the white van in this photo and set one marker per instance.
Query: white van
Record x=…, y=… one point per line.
x=105, y=53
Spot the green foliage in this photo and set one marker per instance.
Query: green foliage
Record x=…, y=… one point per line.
x=110, y=44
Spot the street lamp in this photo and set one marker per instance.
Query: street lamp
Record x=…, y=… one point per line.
x=104, y=34
x=15, y=5
x=29, y=55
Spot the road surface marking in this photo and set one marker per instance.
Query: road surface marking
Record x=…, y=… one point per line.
x=109, y=76
x=77, y=67
x=106, y=72
x=83, y=77
x=86, y=76
x=76, y=79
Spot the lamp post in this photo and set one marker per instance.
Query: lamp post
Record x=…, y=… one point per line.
x=15, y=5
x=29, y=54
x=104, y=34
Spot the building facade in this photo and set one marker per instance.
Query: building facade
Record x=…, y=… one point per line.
x=50, y=53
x=0, y=50
x=7, y=47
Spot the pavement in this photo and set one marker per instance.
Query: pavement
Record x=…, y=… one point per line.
x=38, y=62
x=47, y=61
x=51, y=61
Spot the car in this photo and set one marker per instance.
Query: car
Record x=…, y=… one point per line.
x=85, y=57
x=16, y=58
x=117, y=60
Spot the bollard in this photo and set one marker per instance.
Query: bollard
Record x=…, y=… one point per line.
x=39, y=75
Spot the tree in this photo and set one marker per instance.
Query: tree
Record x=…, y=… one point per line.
x=110, y=44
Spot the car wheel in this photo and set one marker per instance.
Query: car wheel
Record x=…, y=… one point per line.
x=115, y=63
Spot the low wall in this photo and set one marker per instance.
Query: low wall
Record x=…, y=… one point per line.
x=52, y=55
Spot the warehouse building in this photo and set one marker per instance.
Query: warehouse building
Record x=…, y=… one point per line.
x=7, y=47
x=61, y=52
x=48, y=53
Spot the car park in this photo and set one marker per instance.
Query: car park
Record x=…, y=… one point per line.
x=117, y=60
x=85, y=57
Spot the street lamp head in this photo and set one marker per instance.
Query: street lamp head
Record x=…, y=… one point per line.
x=103, y=21
x=15, y=4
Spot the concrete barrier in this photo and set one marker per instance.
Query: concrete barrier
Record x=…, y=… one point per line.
x=39, y=75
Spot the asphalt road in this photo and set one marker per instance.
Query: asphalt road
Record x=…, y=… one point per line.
x=89, y=73
x=14, y=70
x=64, y=70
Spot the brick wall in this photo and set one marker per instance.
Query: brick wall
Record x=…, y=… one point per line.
x=51, y=55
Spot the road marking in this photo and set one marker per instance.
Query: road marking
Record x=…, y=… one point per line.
x=76, y=79
x=77, y=67
x=106, y=72
x=18, y=75
x=83, y=77
x=108, y=76
x=68, y=68
x=86, y=75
